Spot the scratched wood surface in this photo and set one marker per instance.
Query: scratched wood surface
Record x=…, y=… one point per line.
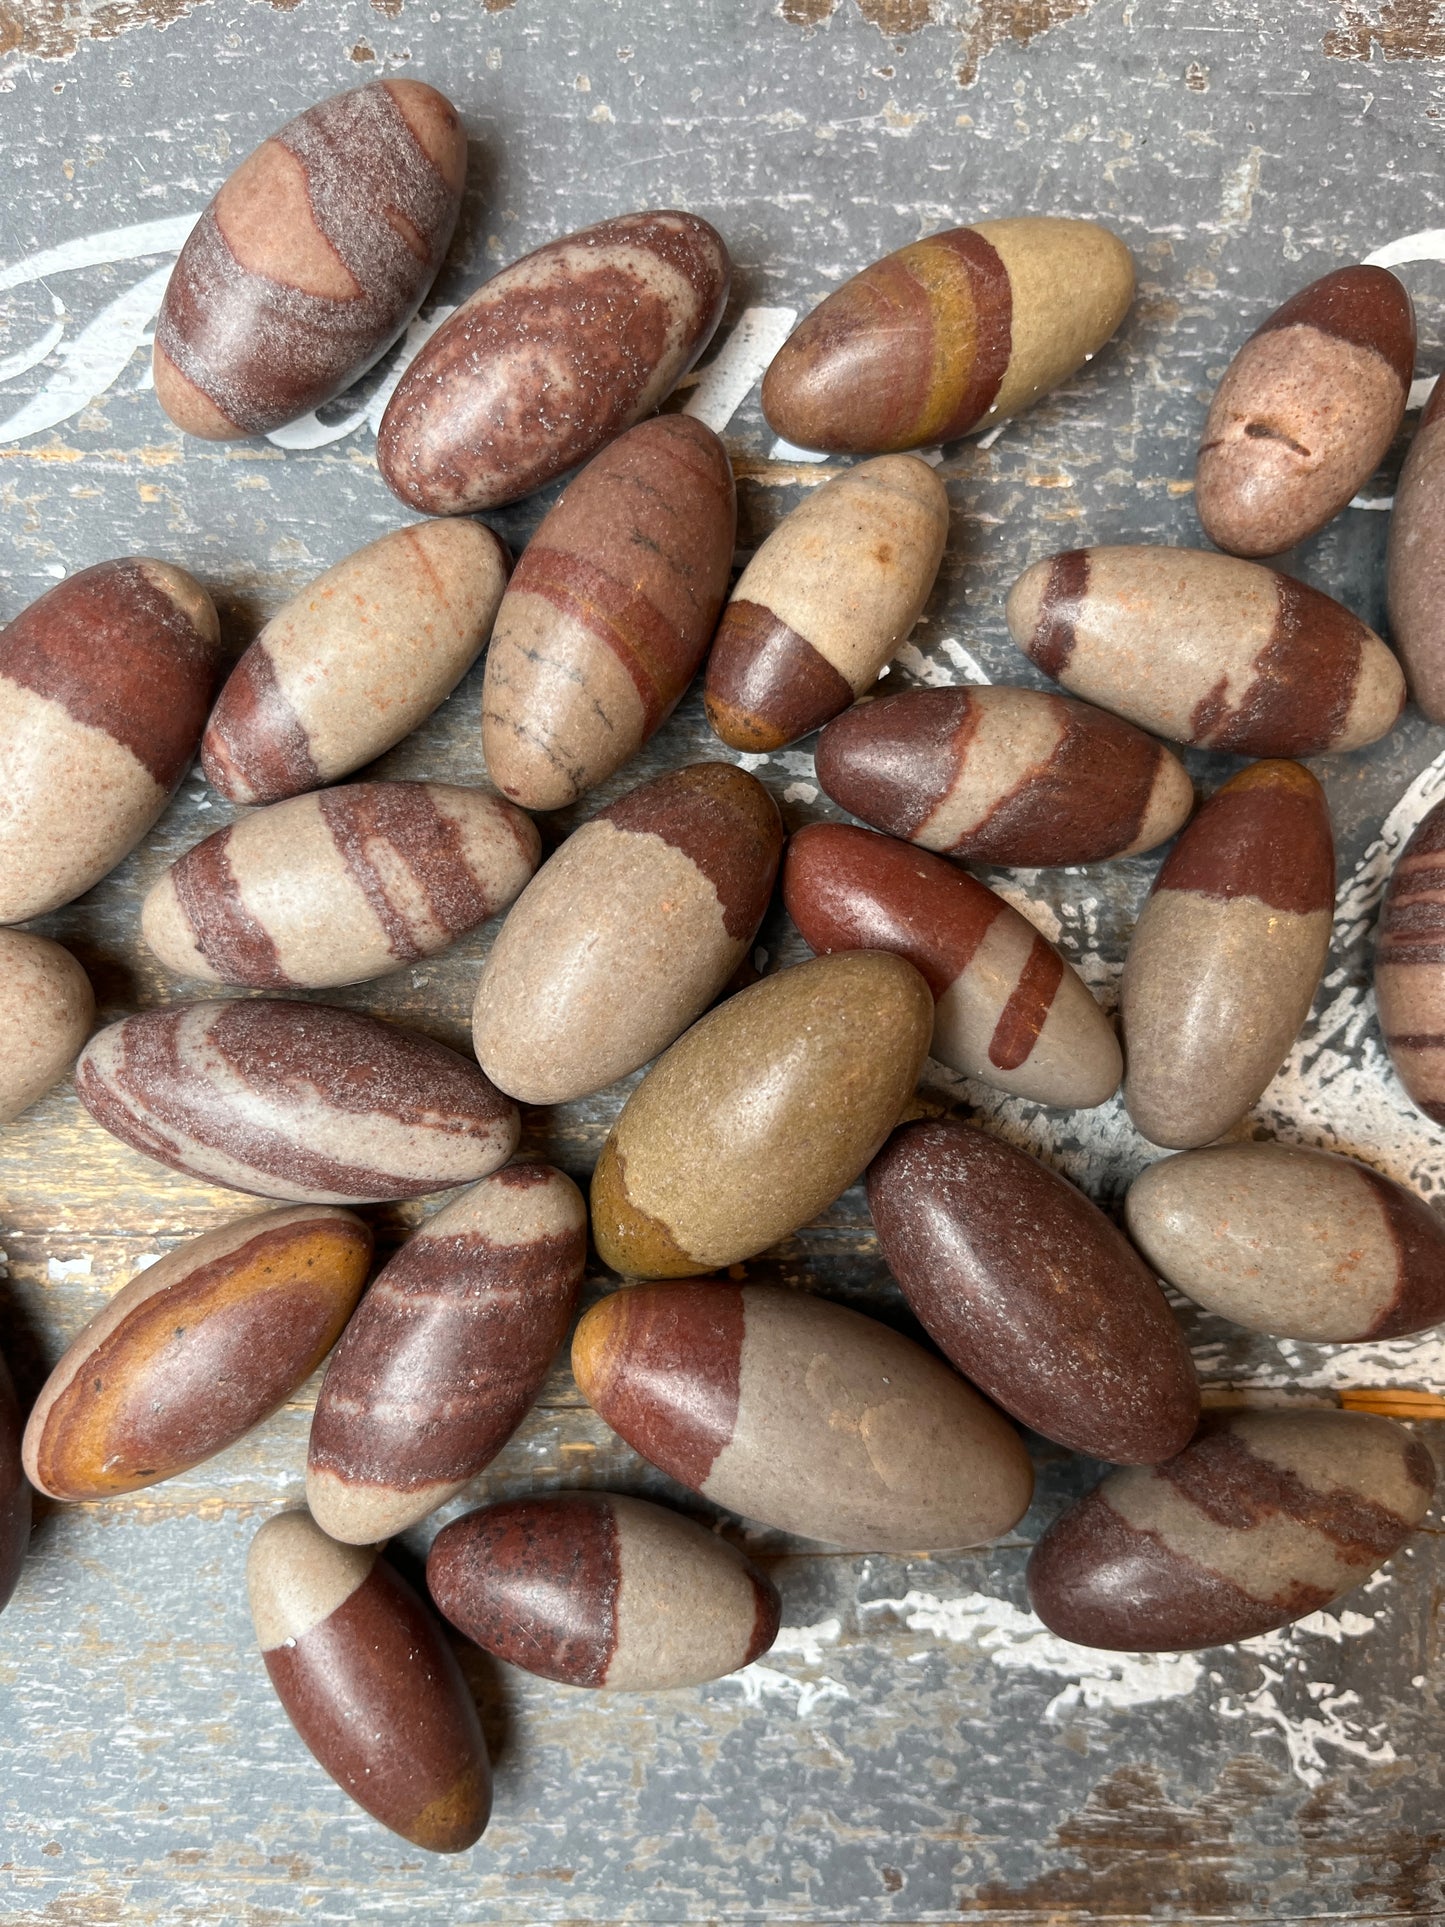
x=917, y=1747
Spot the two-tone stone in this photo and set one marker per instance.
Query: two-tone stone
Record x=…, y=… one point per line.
x=1227, y=954
x=803, y=1415
x=1410, y=966
x=1009, y=1010
x=1266, y=1517
x=46, y=1010
x=14, y=1490
x=627, y=934
x=1415, y=564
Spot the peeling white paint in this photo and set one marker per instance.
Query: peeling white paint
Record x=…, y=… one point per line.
x=739, y=365
x=59, y=1269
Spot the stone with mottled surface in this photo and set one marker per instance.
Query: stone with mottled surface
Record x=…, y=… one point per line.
x=47, y=1007
x=1415, y=569
x=1410, y=966
x=14, y=1490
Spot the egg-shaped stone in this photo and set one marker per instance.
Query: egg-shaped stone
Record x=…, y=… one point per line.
x=1415, y=561
x=46, y=1009
x=1410, y=966
x=14, y=1490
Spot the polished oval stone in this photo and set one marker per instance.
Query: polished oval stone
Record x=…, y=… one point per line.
x=1032, y=1293
x=1004, y=775
x=1227, y=954
x=356, y=661
x=1410, y=966
x=296, y=1101
x=1265, y=1518
x=311, y=260
x=803, y=1415
x=14, y=1491
x=594, y=1589
x=1415, y=566
x=1305, y=412
x=609, y=613
x=1292, y=1242
x=370, y=1683
x=1206, y=649
x=46, y=1010
x=949, y=334
x=1010, y=1012
x=447, y=1354
x=551, y=359
x=760, y=1115
x=339, y=885
x=195, y=1350
x=104, y=685
x=627, y=935
x=823, y=605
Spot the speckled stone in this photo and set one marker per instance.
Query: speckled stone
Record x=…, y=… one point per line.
x=14, y=1491
x=1010, y=1012
x=1410, y=966
x=195, y=1350
x=355, y=661
x=1305, y=412
x=447, y=1354
x=803, y=1415
x=1032, y=1293
x=1415, y=567
x=104, y=684
x=1292, y=1242
x=311, y=260
x=1227, y=954
x=46, y=1010
x=628, y=934
x=1206, y=649
x=1265, y=1518
x=370, y=1683
x=594, y=1589
x=551, y=359
x=610, y=612
x=296, y=1101
x=825, y=602
x=949, y=334
x=1004, y=775
x=760, y=1116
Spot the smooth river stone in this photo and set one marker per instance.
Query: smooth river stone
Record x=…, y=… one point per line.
x=356, y=661
x=310, y=261
x=448, y=1353
x=1292, y=1242
x=1305, y=412
x=551, y=359
x=104, y=686
x=339, y=885
x=1206, y=649
x=1004, y=775
x=1410, y=966
x=1265, y=1518
x=1227, y=955
x=1033, y=1294
x=296, y=1100
x=594, y=1589
x=609, y=613
x=370, y=1683
x=46, y=1009
x=825, y=602
x=760, y=1116
x=14, y=1491
x=950, y=334
x=627, y=934
x=1415, y=567
x=803, y=1415
x=195, y=1350
x=1010, y=1012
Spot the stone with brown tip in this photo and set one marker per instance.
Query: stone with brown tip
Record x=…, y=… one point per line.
x=1415, y=565
x=46, y=1009
x=1410, y=966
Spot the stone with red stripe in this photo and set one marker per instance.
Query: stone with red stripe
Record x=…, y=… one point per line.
x=47, y=1007
x=14, y=1490
x=1415, y=566
x=1410, y=966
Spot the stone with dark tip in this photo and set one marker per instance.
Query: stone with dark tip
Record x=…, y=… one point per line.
x=1410, y=966
x=46, y=1010
x=1415, y=565
x=14, y=1491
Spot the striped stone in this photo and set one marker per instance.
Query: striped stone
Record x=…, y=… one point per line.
x=1415, y=567
x=1410, y=966
x=46, y=1010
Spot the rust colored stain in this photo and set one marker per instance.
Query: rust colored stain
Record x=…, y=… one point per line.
x=1401, y=29
x=995, y=21
x=54, y=29
x=896, y=16
x=388, y=9
x=808, y=13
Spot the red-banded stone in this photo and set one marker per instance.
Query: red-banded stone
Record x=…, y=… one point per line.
x=594, y=1589
x=1032, y=1293
x=627, y=935
x=368, y=1680
x=551, y=359
x=1004, y=775
x=948, y=335
x=825, y=602
x=1266, y=1517
x=1227, y=954
x=1410, y=966
x=14, y=1491
x=1009, y=1010
x=609, y=613
x=446, y=1356
x=296, y=1101
x=1415, y=568
x=104, y=685
x=340, y=885
x=311, y=260
x=355, y=661
x=46, y=1010
x=1207, y=649
x=1305, y=412
x=801, y=1414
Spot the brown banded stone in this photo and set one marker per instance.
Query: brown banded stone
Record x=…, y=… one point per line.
x=1415, y=566
x=46, y=1010
x=1410, y=966
x=14, y=1491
